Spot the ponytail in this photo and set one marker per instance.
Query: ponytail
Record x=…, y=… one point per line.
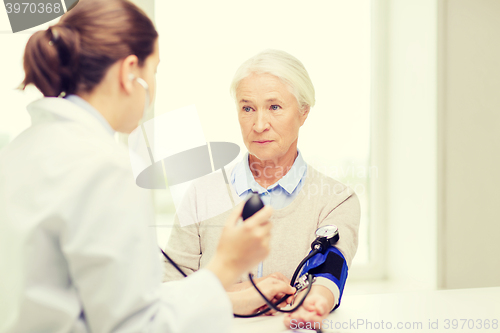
x=74, y=55
x=51, y=61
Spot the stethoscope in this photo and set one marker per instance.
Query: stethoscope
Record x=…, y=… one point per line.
x=326, y=236
x=145, y=85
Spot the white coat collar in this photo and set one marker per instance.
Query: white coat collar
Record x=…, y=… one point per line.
x=55, y=108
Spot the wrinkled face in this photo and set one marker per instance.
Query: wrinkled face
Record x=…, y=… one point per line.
x=269, y=116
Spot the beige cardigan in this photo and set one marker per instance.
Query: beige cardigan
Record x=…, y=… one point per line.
x=206, y=207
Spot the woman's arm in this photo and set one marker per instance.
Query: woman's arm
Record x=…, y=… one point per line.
x=247, y=300
x=183, y=245
x=346, y=216
x=247, y=284
x=324, y=296
x=183, y=248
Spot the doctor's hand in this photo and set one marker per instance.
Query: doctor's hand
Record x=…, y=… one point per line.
x=241, y=246
x=274, y=287
x=315, y=308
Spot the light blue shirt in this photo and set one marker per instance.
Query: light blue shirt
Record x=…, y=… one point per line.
x=278, y=195
x=90, y=109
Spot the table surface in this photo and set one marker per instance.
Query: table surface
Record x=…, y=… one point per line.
x=458, y=310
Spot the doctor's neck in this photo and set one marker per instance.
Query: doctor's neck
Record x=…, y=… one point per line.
x=113, y=101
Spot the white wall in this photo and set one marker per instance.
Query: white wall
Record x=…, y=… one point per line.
x=469, y=159
x=405, y=122
x=443, y=145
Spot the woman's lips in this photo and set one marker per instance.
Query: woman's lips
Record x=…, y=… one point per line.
x=263, y=142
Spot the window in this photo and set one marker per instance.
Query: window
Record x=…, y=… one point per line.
x=202, y=46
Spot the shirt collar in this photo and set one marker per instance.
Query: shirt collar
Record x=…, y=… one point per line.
x=90, y=109
x=243, y=180
x=239, y=177
x=293, y=177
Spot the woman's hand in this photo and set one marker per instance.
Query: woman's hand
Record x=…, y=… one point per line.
x=241, y=246
x=315, y=308
x=273, y=286
x=247, y=284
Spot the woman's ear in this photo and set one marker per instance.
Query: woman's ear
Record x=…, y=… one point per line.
x=128, y=72
x=304, y=113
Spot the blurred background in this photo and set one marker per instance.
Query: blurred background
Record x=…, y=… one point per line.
x=407, y=113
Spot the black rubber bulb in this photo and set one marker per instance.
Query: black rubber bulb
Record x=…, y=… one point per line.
x=252, y=206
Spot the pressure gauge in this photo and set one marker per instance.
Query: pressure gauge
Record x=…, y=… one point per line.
x=330, y=232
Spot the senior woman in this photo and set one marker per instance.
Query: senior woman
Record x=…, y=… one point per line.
x=274, y=95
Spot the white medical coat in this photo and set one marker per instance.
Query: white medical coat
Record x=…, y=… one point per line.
x=78, y=250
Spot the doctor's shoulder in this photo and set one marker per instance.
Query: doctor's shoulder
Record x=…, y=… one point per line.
x=74, y=144
x=62, y=150
x=61, y=162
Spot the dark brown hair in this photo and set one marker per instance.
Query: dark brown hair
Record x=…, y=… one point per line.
x=74, y=55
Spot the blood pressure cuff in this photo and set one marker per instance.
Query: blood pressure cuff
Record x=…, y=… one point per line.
x=330, y=265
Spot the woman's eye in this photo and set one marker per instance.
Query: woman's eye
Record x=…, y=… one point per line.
x=275, y=107
x=247, y=109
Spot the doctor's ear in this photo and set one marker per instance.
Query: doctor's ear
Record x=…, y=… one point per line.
x=128, y=67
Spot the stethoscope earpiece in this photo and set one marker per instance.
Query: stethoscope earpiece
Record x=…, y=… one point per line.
x=145, y=85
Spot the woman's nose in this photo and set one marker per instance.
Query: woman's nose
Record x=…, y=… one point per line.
x=261, y=123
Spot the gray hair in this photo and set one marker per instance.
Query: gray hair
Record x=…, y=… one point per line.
x=285, y=67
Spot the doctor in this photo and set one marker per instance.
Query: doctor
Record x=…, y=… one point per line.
x=77, y=250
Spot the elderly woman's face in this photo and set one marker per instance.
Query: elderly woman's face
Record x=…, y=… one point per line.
x=269, y=116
